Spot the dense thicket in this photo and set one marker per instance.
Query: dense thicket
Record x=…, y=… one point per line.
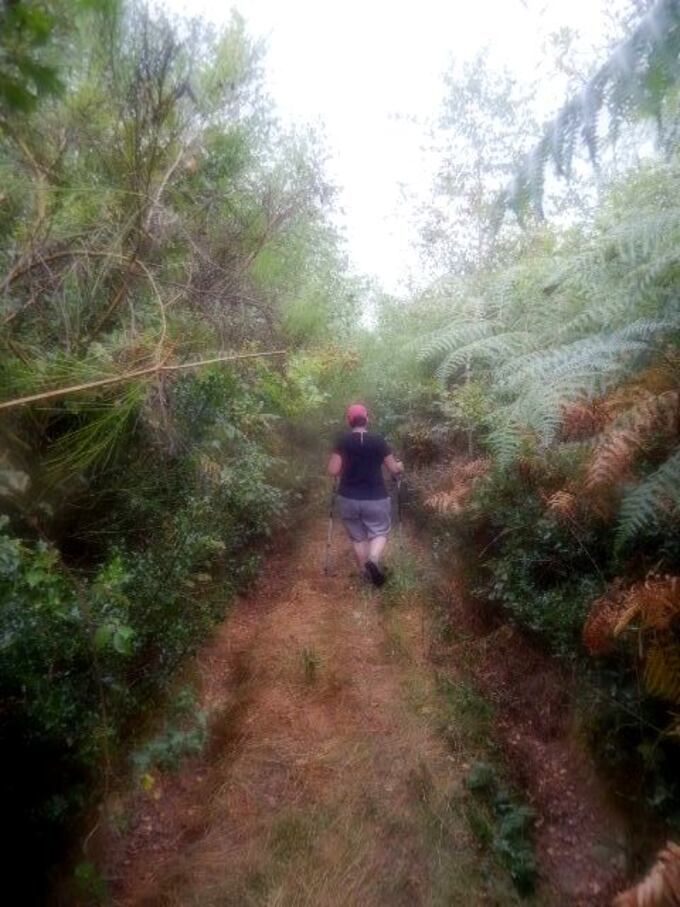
x=541, y=401
x=153, y=215
x=157, y=221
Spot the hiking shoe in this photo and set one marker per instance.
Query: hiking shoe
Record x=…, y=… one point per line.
x=375, y=573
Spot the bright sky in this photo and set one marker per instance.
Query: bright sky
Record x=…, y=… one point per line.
x=370, y=73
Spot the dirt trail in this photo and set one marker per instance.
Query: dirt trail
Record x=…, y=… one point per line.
x=322, y=782
x=325, y=780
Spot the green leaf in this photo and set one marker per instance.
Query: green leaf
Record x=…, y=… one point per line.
x=103, y=635
x=123, y=640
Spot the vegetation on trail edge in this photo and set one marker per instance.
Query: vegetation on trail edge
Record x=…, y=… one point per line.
x=164, y=237
x=174, y=301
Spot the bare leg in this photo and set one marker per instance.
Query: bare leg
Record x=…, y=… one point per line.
x=376, y=547
x=361, y=551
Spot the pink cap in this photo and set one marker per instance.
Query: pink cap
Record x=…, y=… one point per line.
x=354, y=410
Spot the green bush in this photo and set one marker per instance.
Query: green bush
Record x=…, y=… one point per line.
x=505, y=825
x=184, y=733
x=544, y=570
x=625, y=729
x=88, y=645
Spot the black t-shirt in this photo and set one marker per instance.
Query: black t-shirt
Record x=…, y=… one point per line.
x=362, y=456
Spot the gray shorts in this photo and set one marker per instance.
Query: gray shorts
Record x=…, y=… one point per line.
x=365, y=520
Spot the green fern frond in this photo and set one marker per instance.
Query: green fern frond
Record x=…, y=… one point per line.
x=588, y=357
x=631, y=83
x=507, y=439
x=456, y=335
x=497, y=347
x=657, y=497
x=540, y=409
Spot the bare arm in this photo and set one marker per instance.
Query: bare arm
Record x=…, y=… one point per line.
x=396, y=467
x=335, y=464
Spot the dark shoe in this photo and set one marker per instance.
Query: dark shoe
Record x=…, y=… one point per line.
x=376, y=574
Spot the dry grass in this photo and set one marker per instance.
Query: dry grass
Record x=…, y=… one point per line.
x=327, y=781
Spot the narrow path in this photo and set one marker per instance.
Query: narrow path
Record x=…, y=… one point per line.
x=325, y=781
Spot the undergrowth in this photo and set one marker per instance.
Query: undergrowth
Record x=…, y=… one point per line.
x=499, y=820
x=551, y=566
x=184, y=733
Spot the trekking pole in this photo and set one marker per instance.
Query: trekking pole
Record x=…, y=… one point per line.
x=400, y=531
x=329, y=536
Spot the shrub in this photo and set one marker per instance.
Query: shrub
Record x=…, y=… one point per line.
x=509, y=834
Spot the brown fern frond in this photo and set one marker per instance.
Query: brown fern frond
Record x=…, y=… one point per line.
x=613, y=458
x=656, y=600
x=653, y=603
x=444, y=502
x=603, y=616
x=473, y=468
x=209, y=469
x=531, y=470
x=563, y=503
x=451, y=500
x=660, y=887
x=673, y=729
x=582, y=420
x=661, y=376
x=632, y=606
x=620, y=446
x=662, y=671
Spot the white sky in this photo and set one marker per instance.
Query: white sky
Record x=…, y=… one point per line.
x=370, y=73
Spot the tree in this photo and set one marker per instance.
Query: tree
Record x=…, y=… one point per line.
x=639, y=81
x=485, y=123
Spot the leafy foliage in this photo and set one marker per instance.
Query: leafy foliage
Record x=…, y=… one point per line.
x=185, y=733
x=153, y=216
x=571, y=326
x=638, y=77
x=511, y=837
x=570, y=351
x=552, y=356
x=658, y=496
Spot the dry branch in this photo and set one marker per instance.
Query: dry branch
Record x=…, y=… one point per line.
x=130, y=376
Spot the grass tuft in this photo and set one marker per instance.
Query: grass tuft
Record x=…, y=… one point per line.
x=310, y=661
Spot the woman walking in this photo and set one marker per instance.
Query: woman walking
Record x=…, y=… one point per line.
x=363, y=502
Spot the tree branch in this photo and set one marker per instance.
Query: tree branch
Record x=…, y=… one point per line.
x=130, y=376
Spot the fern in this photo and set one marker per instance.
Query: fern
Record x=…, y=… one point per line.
x=563, y=504
x=653, y=604
x=630, y=83
x=603, y=616
x=507, y=439
x=662, y=671
x=494, y=347
x=661, y=885
x=452, y=499
x=618, y=447
x=654, y=499
x=601, y=352
x=456, y=335
x=581, y=419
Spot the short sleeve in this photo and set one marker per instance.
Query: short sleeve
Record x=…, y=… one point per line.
x=386, y=450
x=339, y=444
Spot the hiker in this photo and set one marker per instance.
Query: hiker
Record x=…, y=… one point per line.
x=363, y=502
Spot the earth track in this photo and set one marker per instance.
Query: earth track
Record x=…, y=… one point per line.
x=326, y=779
x=311, y=788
